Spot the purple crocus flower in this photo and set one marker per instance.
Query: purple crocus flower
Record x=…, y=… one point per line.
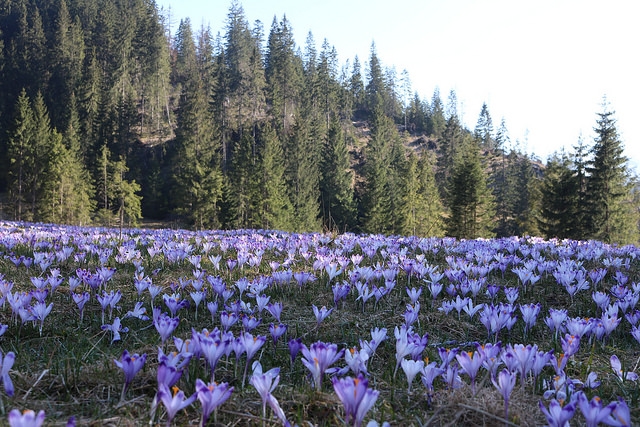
x=357, y=360
x=414, y=294
x=616, y=365
x=249, y=322
x=558, y=415
x=555, y=320
x=81, y=300
x=165, y=325
x=620, y=416
x=264, y=383
x=213, y=347
x=174, y=302
x=429, y=373
x=27, y=418
x=635, y=333
x=470, y=362
x=593, y=411
x=295, y=344
x=40, y=312
x=275, y=309
x=411, y=368
x=356, y=396
x=228, y=319
x=168, y=374
x=6, y=363
x=505, y=384
x=115, y=329
x=318, y=358
x=139, y=312
x=251, y=345
x=321, y=313
x=411, y=314
x=529, y=315
x=173, y=402
x=211, y=396
x=340, y=291
x=404, y=346
x=130, y=365
x=277, y=331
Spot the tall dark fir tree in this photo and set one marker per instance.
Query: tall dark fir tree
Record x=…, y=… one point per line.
x=611, y=218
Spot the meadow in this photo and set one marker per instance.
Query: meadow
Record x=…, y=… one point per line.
x=250, y=327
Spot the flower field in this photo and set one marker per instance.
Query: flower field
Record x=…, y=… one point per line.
x=249, y=327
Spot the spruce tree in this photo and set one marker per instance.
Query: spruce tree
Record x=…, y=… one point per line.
x=242, y=183
x=376, y=200
x=303, y=176
x=198, y=178
x=559, y=199
x=284, y=71
x=39, y=155
x=437, y=120
x=67, y=191
x=19, y=156
x=469, y=201
x=336, y=184
x=355, y=87
x=608, y=195
x=274, y=209
x=422, y=209
x=484, y=129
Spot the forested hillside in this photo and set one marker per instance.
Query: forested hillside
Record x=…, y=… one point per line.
x=106, y=118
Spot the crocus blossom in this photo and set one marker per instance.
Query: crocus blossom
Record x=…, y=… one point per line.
x=6, y=363
x=130, y=365
x=175, y=402
x=27, y=418
x=356, y=397
x=211, y=396
x=318, y=358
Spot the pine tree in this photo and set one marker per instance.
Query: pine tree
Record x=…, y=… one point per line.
x=127, y=200
x=376, y=200
x=469, y=202
x=580, y=160
x=356, y=89
x=484, y=129
x=437, y=120
x=418, y=116
x=500, y=184
x=449, y=146
x=608, y=195
x=244, y=73
x=559, y=201
x=284, y=73
x=242, y=183
x=67, y=192
x=118, y=198
x=524, y=196
x=19, y=156
x=303, y=176
x=328, y=86
x=422, y=209
x=198, y=178
x=336, y=184
x=274, y=209
x=39, y=156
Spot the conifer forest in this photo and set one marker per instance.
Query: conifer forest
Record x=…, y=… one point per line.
x=107, y=118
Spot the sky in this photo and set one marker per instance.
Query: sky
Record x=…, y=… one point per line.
x=543, y=66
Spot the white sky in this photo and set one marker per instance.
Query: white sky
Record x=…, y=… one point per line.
x=544, y=65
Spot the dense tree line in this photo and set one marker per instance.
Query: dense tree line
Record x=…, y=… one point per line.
x=107, y=117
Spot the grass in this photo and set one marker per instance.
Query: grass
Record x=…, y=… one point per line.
x=69, y=370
